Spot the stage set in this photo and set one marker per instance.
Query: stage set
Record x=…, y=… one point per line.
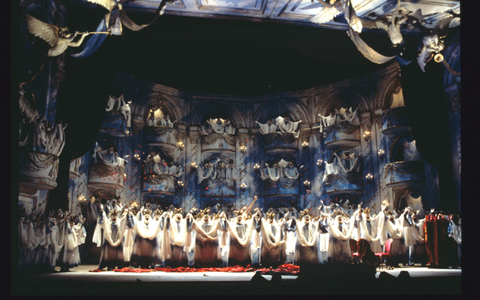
x=203, y=144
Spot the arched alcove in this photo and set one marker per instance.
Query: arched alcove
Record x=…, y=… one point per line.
x=337, y=99
x=404, y=148
x=292, y=108
x=218, y=109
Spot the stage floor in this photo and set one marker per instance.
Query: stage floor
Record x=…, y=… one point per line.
x=80, y=281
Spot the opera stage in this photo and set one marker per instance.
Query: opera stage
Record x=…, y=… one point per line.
x=80, y=281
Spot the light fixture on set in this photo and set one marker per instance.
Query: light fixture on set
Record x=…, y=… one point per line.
x=181, y=145
x=306, y=183
x=136, y=156
x=366, y=135
x=381, y=153
x=369, y=177
x=180, y=183
x=319, y=163
x=305, y=144
x=243, y=187
x=243, y=149
x=193, y=165
x=82, y=199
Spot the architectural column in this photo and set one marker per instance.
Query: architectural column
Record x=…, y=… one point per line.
x=192, y=162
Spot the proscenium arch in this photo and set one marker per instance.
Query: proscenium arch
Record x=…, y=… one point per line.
x=292, y=107
x=235, y=112
x=345, y=95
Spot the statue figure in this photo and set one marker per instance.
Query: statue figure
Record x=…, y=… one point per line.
x=326, y=121
x=119, y=160
x=286, y=126
x=161, y=168
x=172, y=169
x=113, y=103
x=267, y=128
x=291, y=172
x=56, y=139
x=334, y=8
x=26, y=105
x=180, y=171
x=59, y=39
x=231, y=173
x=126, y=111
x=168, y=122
x=40, y=140
x=217, y=125
x=229, y=129
x=151, y=120
x=273, y=173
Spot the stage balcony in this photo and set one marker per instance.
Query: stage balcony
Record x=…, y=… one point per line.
x=404, y=173
x=395, y=122
x=344, y=184
x=342, y=135
x=104, y=176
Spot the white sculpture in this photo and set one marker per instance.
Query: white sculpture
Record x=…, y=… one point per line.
x=284, y=125
x=151, y=120
x=217, y=125
x=59, y=39
x=126, y=111
x=291, y=172
x=267, y=128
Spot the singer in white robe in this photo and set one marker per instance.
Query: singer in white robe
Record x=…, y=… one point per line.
x=307, y=251
x=113, y=227
x=74, y=236
x=145, y=242
x=207, y=235
x=273, y=243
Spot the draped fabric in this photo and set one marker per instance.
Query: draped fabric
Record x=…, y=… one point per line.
x=272, y=246
x=408, y=231
x=112, y=254
x=429, y=238
x=54, y=242
x=371, y=231
x=240, y=240
x=145, y=251
x=307, y=250
x=206, y=242
x=339, y=245
x=290, y=228
x=93, y=43
x=75, y=236
x=440, y=226
x=455, y=232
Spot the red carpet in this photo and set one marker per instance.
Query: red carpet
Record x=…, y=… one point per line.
x=283, y=269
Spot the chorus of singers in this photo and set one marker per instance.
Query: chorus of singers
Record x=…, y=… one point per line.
x=149, y=237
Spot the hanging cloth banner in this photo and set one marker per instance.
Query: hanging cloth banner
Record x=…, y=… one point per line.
x=93, y=43
x=366, y=50
x=403, y=62
x=135, y=27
